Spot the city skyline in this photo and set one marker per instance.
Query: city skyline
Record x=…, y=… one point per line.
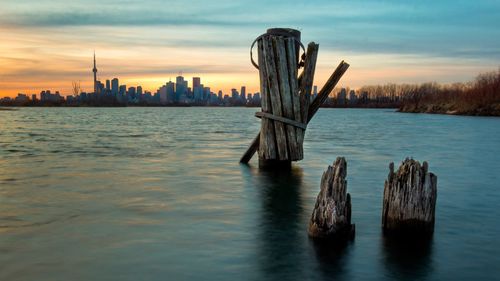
x=110, y=92
x=49, y=41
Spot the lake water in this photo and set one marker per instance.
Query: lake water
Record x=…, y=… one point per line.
x=158, y=194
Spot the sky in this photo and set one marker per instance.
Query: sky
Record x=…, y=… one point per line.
x=47, y=44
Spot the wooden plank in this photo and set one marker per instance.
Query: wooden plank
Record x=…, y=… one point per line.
x=285, y=95
x=308, y=78
x=274, y=92
x=307, y=84
x=327, y=88
x=294, y=90
x=254, y=146
x=267, y=142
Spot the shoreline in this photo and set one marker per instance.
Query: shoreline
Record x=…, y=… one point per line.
x=490, y=111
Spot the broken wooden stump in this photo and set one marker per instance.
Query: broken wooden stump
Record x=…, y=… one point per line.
x=331, y=217
x=409, y=199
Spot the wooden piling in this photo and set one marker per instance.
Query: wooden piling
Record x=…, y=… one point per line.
x=313, y=108
x=409, y=199
x=331, y=217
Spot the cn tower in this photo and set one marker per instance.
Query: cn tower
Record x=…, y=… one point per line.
x=95, y=75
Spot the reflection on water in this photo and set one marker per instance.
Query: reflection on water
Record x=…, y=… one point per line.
x=407, y=258
x=280, y=240
x=332, y=258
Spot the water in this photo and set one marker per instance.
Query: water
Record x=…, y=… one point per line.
x=158, y=194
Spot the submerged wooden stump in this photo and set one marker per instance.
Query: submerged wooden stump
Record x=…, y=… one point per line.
x=331, y=217
x=409, y=199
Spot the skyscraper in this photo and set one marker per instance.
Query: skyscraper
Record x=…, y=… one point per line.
x=196, y=82
x=197, y=89
x=163, y=94
x=95, y=75
x=131, y=92
x=122, y=90
x=114, y=86
x=341, y=96
x=180, y=87
x=243, y=93
x=234, y=94
x=170, y=92
x=108, y=85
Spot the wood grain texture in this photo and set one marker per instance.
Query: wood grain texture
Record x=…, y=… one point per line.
x=292, y=59
x=331, y=217
x=325, y=91
x=409, y=198
x=285, y=95
x=270, y=63
x=267, y=141
x=306, y=84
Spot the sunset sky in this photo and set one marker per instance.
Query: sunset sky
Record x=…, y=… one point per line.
x=48, y=44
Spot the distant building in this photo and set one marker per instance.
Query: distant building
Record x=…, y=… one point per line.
x=122, y=90
x=163, y=94
x=131, y=93
x=170, y=92
x=364, y=97
x=353, y=99
x=22, y=98
x=197, y=93
x=47, y=97
x=114, y=86
x=314, y=93
x=180, y=88
x=256, y=99
x=243, y=93
x=139, y=92
x=206, y=93
x=341, y=97
x=95, y=76
x=234, y=94
x=196, y=82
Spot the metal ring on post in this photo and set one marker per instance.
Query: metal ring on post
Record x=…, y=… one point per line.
x=300, y=57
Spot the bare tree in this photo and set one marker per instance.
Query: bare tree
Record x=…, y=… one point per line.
x=76, y=87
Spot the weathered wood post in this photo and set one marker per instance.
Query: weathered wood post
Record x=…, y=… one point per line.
x=281, y=119
x=285, y=98
x=409, y=199
x=331, y=217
